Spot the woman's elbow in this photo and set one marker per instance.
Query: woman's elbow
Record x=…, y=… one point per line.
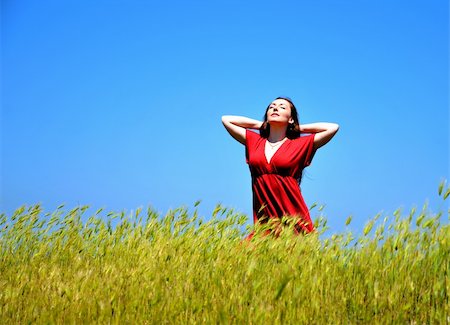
x=335, y=127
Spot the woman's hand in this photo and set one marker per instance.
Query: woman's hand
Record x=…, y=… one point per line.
x=324, y=132
x=236, y=126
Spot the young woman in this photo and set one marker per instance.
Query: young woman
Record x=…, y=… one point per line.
x=276, y=158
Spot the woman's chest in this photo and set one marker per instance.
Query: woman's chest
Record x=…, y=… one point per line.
x=285, y=158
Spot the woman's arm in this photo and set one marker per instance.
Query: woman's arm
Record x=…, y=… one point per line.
x=236, y=126
x=324, y=132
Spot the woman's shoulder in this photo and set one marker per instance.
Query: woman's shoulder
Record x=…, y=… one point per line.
x=304, y=140
x=252, y=134
x=252, y=137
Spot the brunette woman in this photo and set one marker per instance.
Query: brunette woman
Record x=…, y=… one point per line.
x=276, y=158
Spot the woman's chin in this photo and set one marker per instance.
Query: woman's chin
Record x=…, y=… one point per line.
x=276, y=123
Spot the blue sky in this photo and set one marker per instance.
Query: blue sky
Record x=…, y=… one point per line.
x=117, y=104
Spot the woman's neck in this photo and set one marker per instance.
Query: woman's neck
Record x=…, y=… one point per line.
x=277, y=133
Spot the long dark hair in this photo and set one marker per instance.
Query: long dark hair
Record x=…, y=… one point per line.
x=293, y=130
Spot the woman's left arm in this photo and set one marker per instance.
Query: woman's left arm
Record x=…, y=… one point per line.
x=324, y=132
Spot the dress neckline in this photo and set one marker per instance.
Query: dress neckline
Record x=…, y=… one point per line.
x=268, y=162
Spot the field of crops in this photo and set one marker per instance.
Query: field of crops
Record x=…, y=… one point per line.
x=143, y=268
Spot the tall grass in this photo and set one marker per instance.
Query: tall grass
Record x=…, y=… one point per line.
x=179, y=269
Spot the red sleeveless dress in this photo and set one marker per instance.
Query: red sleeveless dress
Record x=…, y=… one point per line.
x=275, y=187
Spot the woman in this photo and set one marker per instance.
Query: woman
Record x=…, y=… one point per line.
x=276, y=158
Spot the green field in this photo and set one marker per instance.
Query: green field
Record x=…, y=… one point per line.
x=143, y=268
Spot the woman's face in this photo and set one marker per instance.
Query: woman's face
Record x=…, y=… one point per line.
x=279, y=112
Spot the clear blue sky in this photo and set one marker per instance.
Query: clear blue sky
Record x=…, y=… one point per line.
x=117, y=104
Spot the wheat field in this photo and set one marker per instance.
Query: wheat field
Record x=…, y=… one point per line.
x=144, y=268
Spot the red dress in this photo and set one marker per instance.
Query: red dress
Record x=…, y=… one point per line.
x=275, y=187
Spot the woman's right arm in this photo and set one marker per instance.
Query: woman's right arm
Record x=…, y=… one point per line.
x=236, y=126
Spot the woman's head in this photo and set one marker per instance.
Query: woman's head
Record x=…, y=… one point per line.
x=281, y=111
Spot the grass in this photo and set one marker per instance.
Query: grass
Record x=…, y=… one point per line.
x=180, y=269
